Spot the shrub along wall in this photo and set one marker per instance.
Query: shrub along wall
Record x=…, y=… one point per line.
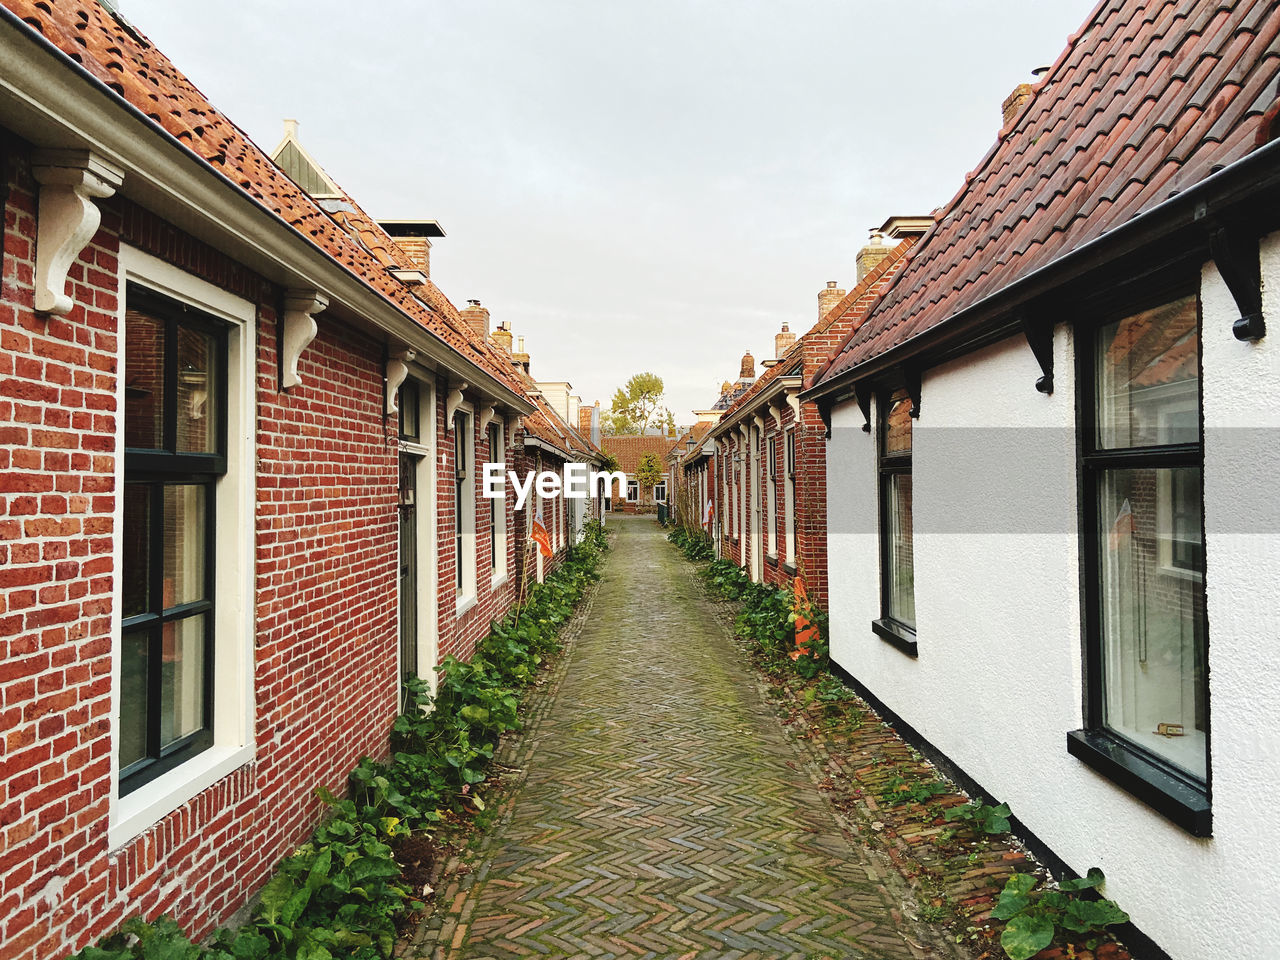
x=339, y=895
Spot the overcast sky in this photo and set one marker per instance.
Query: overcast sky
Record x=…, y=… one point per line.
x=652, y=185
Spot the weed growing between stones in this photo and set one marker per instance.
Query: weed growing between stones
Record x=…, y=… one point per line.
x=341, y=893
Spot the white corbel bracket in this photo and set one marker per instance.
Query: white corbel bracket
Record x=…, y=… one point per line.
x=397, y=371
x=300, y=309
x=70, y=181
x=759, y=421
x=452, y=402
x=776, y=413
x=793, y=400
x=488, y=416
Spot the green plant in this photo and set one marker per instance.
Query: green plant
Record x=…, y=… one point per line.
x=1033, y=920
x=900, y=790
x=338, y=894
x=982, y=816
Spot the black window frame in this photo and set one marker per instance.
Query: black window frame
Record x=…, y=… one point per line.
x=157, y=469
x=889, y=465
x=409, y=399
x=1173, y=792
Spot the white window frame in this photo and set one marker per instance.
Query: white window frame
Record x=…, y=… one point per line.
x=233, y=693
x=660, y=485
x=465, y=525
x=498, y=530
x=771, y=502
x=425, y=535
x=633, y=491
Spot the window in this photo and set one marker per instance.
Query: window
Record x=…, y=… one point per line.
x=464, y=539
x=660, y=491
x=409, y=414
x=175, y=452
x=789, y=497
x=497, y=509
x=771, y=501
x=633, y=491
x=897, y=563
x=1147, y=637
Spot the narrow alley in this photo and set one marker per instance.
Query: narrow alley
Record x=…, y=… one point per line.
x=666, y=813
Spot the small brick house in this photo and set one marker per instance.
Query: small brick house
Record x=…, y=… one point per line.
x=629, y=450
x=768, y=447
x=241, y=433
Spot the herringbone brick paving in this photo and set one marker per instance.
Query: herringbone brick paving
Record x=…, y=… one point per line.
x=665, y=812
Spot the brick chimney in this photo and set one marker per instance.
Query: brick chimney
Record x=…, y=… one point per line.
x=748, y=369
x=501, y=337
x=520, y=358
x=827, y=299
x=413, y=237
x=1014, y=103
x=783, y=341
x=871, y=255
x=477, y=318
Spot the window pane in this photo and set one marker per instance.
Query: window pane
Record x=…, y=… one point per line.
x=182, y=679
x=133, y=697
x=408, y=405
x=184, y=543
x=197, y=413
x=901, y=592
x=897, y=424
x=135, y=574
x=1148, y=378
x=143, y=381
x=1152, y=614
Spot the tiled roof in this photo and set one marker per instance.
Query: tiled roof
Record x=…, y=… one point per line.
x=851, y=309
x=123, y=60
x=695, y=433
x=1148, y=99
x=628, y=450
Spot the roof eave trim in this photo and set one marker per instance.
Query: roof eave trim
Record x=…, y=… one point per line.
x=994, y=317
x=54, y=102
x=776, y=386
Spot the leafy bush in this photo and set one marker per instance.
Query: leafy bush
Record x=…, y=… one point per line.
x=1033, y=921
x=695, y=545
x=338, y=895
x=900, y=790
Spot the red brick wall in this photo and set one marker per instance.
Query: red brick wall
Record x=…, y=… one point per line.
x=460, y=634
x=325, y=649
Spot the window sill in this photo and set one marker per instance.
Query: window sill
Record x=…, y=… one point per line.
x=1183, y=802
x=789, y=568
x=464, y=604
x=152, y=802
x=498, y=580
x=771, y=559
x=896, y=635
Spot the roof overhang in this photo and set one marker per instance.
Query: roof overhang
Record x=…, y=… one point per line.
x=768, y=396
x=53, y=102
x=1243, y=197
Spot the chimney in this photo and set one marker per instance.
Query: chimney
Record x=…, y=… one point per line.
x=784, y=341
x=477, y=318
x=748, y=371
x=871, y=255
x=520, y=358
x=725, y=388
x=501, y=337
x=413, y=237
x=827, y=299
x=1014, y=102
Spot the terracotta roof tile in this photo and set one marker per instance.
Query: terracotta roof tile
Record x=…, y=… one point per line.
x=124, y=60
x=628, y=450
x=1148, y=99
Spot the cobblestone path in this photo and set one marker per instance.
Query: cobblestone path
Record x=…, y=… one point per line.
x=665, y=811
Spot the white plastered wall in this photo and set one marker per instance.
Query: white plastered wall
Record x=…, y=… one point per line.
x=997, y=684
